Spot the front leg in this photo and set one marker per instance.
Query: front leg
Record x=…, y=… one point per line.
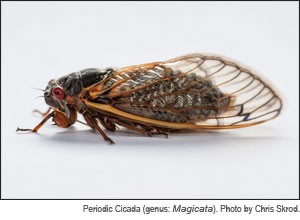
x=45, y=113
x=36, y=128
x=41, y=113
x=60, y=119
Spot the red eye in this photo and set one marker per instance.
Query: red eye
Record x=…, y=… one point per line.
x=58, y=93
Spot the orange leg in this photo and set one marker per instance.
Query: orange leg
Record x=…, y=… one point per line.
x=39, y=125
x=93, y=124
x=59, y=118
x=43, y=114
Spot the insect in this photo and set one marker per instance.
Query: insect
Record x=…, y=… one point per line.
x=196, y=91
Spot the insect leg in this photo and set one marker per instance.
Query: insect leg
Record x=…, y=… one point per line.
x=82, y=123
x=155, y=130
x=93, y=124
x=107, y=123
x=131, y=127
x=39, y=125
x=43, y=114
x=158, y=132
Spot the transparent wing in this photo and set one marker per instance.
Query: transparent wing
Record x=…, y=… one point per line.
x=204, y=90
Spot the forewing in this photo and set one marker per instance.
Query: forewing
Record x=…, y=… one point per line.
x=197, y=89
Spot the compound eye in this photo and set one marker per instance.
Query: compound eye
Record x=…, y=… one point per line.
x=58, y=93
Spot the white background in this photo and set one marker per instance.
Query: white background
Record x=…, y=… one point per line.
x=41, y=41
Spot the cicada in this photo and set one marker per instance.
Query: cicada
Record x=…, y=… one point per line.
x=196, y=91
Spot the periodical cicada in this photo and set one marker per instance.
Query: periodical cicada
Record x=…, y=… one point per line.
x=195, y=91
